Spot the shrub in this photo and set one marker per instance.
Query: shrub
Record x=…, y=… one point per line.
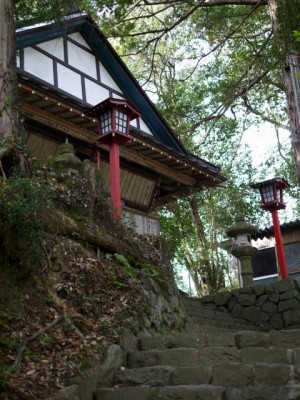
x=22, y=201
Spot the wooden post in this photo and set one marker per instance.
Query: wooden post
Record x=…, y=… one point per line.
x=115, y=184
x=279, y=245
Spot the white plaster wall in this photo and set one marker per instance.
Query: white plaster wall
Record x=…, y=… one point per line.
x=116, y=96
x=82, y=60
x=106, y=79
x=54, y=47
x=144, y=127
x=134, y=123
x=18, y=59
x=69, y=81
x=95, y=93
x=79, y=39
x=38, y=64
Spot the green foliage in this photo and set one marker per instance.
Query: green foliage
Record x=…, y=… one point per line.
x=4, y=371
x=126, y=269
x=10, y=344
x=7, y=103
x=116, y=275
x=44, y=11
x=134, y=272
x=297, y=37
x=46, y=339
x=288, y=23
x=213, y=73
x=22, y=200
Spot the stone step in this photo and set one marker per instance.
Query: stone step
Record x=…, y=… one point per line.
x=192, y=326
x=212, y=315
x=146, y=392
x=196, y=306
x=203, y=315
x=263, y=393
x=226, y=375
x=202, y=310
x=280, y=339
x=184, y=357
x=196, y=340
x=193, y=301
x=199, y=392
x=209, y=314
x=198, y=327
x=230, y=324
x=213, y=339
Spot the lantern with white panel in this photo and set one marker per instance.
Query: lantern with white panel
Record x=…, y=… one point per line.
x=271, y=193
x=114, y=116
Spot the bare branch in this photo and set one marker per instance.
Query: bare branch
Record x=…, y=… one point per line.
x=279, y=146
x=144, y=16
x=2, y=170
x=278, y=85
x=218, y=3
x=18, y=360
x=199, y=4
x=262, y=115
x=164, y=31
x=220, y=110
x=213, y=3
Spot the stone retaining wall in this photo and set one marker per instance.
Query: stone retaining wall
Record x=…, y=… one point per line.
x=274, y=306
x=164, y=312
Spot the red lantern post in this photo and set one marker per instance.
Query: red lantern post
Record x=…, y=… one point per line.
x=271, y=193
x=114, y=118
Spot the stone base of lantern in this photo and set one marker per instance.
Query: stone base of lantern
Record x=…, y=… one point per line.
x=245, y=254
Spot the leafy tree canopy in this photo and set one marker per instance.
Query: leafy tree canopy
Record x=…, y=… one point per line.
x=214, y=68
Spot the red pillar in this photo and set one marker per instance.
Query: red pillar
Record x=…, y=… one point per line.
x=279, y=245
x=115, y=185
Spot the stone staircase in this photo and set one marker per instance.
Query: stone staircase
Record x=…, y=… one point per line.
x=217, y=358
x=204, y=318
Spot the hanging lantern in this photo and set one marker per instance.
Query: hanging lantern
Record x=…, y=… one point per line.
x=114, y=116
x=271, y=193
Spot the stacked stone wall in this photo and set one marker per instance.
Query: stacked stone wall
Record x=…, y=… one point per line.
x=163, y=312
x=274, y=306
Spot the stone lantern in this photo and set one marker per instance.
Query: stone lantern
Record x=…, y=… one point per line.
x=66, y=161
x=242, y=248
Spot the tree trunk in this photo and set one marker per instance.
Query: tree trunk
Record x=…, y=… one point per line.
x=189, y=262
x=60, y=223
x=292, y=109
x=8, y=78
x=209, y=284
x=291, y=82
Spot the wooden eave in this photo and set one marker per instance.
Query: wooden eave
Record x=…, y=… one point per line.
x=161, y=157
x=83, y=23
x=178, y=175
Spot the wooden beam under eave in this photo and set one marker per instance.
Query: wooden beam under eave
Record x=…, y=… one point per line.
x=57, y=123
x=158, y=167
x=71, y=129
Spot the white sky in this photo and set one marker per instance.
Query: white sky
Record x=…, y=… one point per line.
x=262, y=140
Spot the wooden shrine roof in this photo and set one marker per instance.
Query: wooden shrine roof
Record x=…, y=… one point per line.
x=179, y=174
x=63, y=71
